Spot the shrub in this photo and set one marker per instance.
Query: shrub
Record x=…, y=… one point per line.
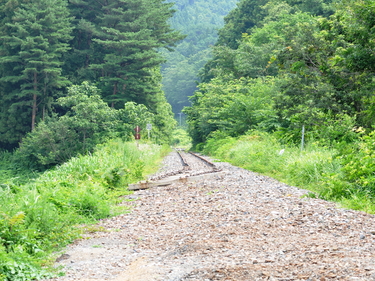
x=358, y=165
x=181, y=139
x=37, y=218
x=88, y=122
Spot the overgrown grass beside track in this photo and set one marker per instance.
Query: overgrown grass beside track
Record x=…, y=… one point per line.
x=344, y=175
x=39, y=217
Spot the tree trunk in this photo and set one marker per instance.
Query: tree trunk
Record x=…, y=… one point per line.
x=114, y=93
x=33, y=114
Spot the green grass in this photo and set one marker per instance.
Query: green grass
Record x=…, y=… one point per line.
x=181, y=139
x=39, y=217
x=316, y=168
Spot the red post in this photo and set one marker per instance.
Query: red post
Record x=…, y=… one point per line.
x=137, y=129
x=137, y=134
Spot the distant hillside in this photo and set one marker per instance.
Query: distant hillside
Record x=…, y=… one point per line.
x=200, y=21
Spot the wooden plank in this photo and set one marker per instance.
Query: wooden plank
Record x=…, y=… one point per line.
x=173, y=179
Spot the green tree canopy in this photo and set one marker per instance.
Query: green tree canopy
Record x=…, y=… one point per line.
x=47, y=45
x=117, y=43
x=32, y=42
x=231, y=106
x=321, y=59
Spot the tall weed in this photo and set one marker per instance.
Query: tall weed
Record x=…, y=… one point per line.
x=307, y=168
x=345, y=175
x=256, y=151
x=38, y=217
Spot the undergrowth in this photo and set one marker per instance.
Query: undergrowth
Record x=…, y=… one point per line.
x=344, y=173
x=38, y=217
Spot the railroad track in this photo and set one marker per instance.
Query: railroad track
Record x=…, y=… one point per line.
x=193, y=166
x=184, y=156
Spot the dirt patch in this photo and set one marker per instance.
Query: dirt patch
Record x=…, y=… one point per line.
x=138, y=270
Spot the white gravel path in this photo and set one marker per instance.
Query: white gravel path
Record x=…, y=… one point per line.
x=241, y=226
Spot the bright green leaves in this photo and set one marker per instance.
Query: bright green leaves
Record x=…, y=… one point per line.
x=39, y=217
x=322, y=65
x=358, y=165
x=274, y=45
x=232, y=107
x=133, y=115
x=87, y=109
x=88, y=122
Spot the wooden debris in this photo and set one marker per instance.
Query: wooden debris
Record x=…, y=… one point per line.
x=174, y=179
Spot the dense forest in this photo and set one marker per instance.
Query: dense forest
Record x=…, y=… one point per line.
x=76, y=78
x=286, y=90
x=278, y=66
x=200, y=20
x=47, y=46
x=289, y=92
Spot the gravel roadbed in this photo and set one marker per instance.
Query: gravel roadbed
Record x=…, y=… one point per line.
x=236, y=226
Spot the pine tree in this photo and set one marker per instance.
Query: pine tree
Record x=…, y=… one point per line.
x=124, y=39
x=33, y=40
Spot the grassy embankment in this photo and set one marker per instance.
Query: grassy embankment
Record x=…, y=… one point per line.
x=39, y=213
x=344, y=175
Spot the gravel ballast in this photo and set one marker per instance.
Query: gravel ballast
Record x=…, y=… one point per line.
x=237, y=225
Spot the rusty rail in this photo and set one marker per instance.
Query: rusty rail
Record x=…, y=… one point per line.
x=204, y=160
x=183, y=161
x=185, y=174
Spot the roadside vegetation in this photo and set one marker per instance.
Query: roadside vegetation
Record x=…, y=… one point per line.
x=72, y=170
x=73, y=87
x=344, y=174
x=70, y=101
x=40, y=212
x=181, y=139
x=279, y=67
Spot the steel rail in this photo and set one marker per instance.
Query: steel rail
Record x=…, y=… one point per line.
x=183, y=161
x=186, y=168
x=203, y=159
x=186, y=174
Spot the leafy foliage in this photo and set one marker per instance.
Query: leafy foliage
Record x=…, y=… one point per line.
x=89, y=121
x=331, y=174
x=358, y=167
x=181, y=139
x=48, y=45
x=231, y=106
x=37, y=218
x=319, y=56
x=316, y=82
